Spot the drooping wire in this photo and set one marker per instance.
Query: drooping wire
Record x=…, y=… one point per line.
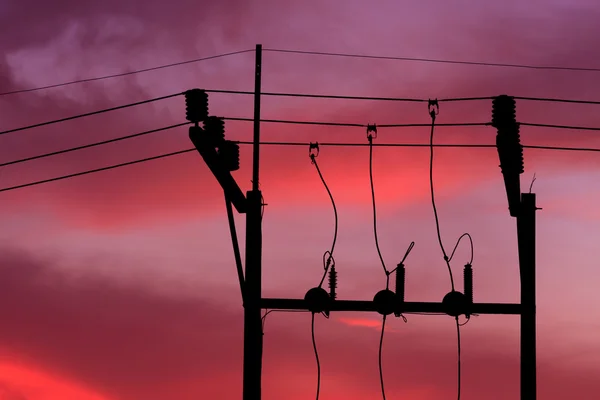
x=370, y=130
x=328, y=260
x=314, y=343
x=458, y=242
x=267, y=312
x=433, y=112
x=380, y=357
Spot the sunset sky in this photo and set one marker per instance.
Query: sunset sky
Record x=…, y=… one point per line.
x=121, y=285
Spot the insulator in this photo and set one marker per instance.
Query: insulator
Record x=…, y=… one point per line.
x=215, y=129
x=400, y=282
x=332, y=282
x=196, y=105
x=230, y=155
x=468, y=281
x=504, y=111
x=317, y=300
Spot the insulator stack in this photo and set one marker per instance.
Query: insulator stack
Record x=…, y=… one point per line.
x=510, y=150
x=196, y=105
x=400, y=285
x=215, y=129
x=468, y=283
x=332, y=282
x=230, y=155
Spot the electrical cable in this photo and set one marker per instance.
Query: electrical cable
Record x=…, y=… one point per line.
x=292, y=144
x=380, y=357
x=98, y=78
x=314, y=343
x=327, y=261
x=556, y=100
x=90, y=113
x=267, y=312
x=432, y=60
x=458, y=242
x=433, y=109
x=581, y=128
x=236, y=246
x=87, y=146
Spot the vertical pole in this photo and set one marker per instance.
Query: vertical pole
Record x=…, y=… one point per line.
x=253, y=341
x=527, y=247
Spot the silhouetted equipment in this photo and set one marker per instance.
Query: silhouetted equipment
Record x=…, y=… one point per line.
x=371, y=131
x=400, y=285
x=468, y=284
x=317, y=300
x=196, y=105
x=455, y=303
x=385, y=302
x=215, y=129
x=509, y=148
x=332, y=282
x=230, y=154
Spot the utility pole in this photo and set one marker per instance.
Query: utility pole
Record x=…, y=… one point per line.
x=253, y=340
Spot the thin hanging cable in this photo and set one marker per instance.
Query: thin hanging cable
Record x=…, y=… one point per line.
x=90, y=113
x=380, y=357
x=138, y=71
x=432, y=60
x=314, y=343
x=328, y=256
x=433, y=111
x=370, y=138
x=433, y=114
x=458, y=242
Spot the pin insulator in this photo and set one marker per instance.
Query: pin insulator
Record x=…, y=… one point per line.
x=508, y=140
x=230, y=155
x=385, y=302
x=196, y=105
x=332, y=282
x=215, y=129
x=400, y=285
x=317, y=300
x=468, y=283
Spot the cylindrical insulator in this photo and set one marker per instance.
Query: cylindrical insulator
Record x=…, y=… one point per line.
x=468, y=281
x=332, y=282
x=230, y=154
x=504, y=111
x=196, y=105
x=400, y=282
x=215, y=129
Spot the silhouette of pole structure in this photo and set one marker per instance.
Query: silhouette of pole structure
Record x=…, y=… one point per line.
x=222, y=157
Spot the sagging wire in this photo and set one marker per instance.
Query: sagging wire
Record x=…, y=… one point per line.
x=434, y=110
x=328, y=260
x=466, y=234
x=267, y=312
x=371, y=134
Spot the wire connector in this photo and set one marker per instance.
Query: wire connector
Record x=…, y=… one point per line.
x=371, y=131
x=433, y=108
x=313, y=151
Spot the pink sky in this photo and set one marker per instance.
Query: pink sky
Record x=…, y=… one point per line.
x=121, y=285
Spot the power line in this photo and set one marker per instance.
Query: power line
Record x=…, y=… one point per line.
x=87, y=146
x=90, y=113
x=434, y=60
x=293, y=144
x=138, y=71
x=571, y=127
x=556, y=100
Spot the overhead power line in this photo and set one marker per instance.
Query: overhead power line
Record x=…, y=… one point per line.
x=292, y=144
x=137, y=71
x=435, y=60
x=56, y=121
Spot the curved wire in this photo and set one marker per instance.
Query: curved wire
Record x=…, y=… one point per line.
x=435, y=213
x=375, y=210
x=329, y=261
x=314, y=343
x=458, y=242
x=459, y=363
x=380, y=357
